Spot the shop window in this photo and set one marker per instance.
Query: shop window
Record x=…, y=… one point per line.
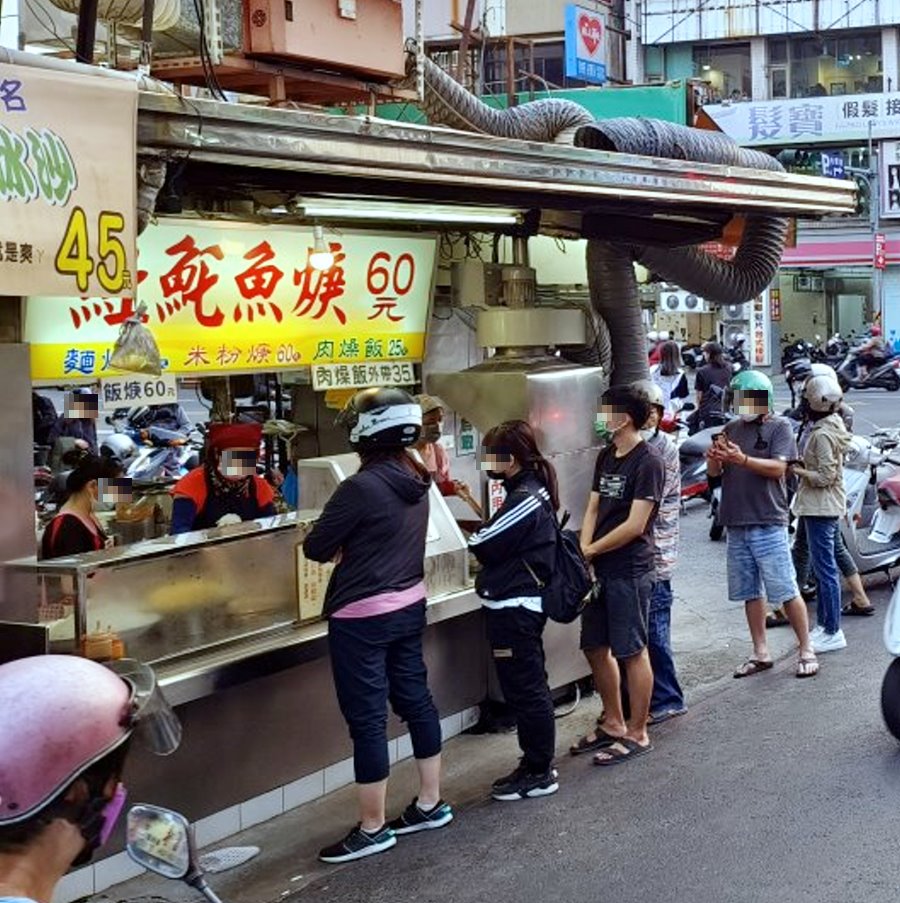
x=821, y=66
x=778, y=82
x=726, y=69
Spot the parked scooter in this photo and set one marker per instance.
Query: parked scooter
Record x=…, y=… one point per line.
x=694, y=477
x=736, y=354
x=881, y=376
x=163, y=842
x=890, y=685
x=871, y=527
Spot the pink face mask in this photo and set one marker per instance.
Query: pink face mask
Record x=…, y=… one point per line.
x=111, y=812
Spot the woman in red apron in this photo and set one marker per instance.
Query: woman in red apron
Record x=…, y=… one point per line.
x=226, y=488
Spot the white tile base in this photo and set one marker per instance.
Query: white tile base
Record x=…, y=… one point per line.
x=214, y=828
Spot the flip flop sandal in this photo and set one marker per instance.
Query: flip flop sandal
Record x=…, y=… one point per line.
x=601, y=741
x=858, y=611
x=807, y=667
x=774, y=620
x=613, y=756
x=752, y=666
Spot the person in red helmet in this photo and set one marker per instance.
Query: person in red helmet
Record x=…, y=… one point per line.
x=225, y=489
x=66, y=725
x=871, y=352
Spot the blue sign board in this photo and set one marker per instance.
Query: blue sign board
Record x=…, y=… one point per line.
x=833, y=164
x=585, y=40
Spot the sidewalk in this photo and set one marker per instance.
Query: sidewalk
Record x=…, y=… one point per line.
x=710, y=640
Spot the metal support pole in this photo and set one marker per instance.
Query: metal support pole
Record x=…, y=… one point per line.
x=420, y=52
x=874, y=209
x=145, y=62
x=87, y=31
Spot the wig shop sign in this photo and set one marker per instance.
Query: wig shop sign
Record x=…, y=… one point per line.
x=240, y=297
x=67, y=183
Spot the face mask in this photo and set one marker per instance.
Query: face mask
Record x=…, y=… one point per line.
x=98, y=824
x=647, y=435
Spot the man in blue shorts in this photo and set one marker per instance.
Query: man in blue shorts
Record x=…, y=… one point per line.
x=751, y=455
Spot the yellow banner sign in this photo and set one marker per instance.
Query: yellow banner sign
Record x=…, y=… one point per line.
x=67, y=182
x=240, y=297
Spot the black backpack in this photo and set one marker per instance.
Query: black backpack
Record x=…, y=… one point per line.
x=568, y=589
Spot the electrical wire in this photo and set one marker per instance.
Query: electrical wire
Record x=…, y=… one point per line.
x=209, y=70
x=51, y=28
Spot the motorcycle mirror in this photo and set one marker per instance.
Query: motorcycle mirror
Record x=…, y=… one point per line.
x=160, y=840
x=690, y=406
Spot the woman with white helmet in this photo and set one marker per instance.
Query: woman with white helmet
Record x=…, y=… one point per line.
x=374, y=528
x=66, y=724
x=820, y=502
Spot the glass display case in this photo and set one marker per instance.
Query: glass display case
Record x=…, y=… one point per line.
x=174, y=595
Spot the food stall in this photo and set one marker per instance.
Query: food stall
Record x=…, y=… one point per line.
x=229, y=616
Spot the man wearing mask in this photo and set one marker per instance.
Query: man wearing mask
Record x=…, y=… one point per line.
x=751, y=455
x=617, y=539
x=434, y=455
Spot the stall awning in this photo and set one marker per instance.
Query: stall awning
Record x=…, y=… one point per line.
x=360, y=156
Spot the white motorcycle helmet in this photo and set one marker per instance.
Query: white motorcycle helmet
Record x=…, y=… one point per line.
x=823, y=394
x=119, y=446
x=818, y=369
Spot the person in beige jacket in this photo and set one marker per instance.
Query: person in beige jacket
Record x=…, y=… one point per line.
x=820, y=502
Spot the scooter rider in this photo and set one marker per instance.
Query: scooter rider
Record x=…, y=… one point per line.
x=871, y=353
x=751, y=455
x=66, y=724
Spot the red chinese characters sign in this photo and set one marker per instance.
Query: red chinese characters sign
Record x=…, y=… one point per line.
x=225, y=297
x=879, y=259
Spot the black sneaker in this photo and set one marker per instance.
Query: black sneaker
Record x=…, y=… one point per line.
x=359, y=843
x=522, y=784
x=415, y=819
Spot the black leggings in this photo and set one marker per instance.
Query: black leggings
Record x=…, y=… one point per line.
x=375, y=660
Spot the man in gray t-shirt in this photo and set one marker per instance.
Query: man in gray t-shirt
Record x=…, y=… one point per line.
x=747, y=498
x=752, y=455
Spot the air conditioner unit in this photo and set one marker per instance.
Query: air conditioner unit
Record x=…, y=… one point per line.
x=732, y=312
x=681, y=302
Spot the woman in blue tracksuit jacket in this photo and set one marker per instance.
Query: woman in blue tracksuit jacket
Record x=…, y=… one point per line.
x=374, y=527
x=516, y=550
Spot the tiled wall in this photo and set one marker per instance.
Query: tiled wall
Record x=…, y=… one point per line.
x=214, y=828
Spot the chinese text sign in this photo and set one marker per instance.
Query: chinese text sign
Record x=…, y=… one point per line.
x=67, y=183
x=240, y=297
x=584, y=45
x=809, y=120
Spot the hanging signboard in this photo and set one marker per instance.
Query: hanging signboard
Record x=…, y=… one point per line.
x=585, y=43
x=240, y=297
x=810, y=120
x=136, y=389
x=879, y=252
x=360, y=376
x=759, y=331
x=889, y=164
x=775, y=304
x=67, y=207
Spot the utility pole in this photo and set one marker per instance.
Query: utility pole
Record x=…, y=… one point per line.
x=874, y=217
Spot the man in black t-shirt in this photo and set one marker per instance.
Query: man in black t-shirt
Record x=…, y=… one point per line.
x=617, y=538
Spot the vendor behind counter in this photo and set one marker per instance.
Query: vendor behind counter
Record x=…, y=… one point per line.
x=225, y=488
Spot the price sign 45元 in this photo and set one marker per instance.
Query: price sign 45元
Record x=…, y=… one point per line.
x=94, y=248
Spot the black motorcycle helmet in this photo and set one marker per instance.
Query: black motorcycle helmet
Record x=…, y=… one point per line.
x=381, y=419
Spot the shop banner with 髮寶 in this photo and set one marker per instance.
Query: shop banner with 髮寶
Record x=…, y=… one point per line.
x=237, y=297
x=67, y=182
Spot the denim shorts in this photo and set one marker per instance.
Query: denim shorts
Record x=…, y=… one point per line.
x=760, y=565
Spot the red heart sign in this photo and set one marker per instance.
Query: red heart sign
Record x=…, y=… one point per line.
x=591, y=31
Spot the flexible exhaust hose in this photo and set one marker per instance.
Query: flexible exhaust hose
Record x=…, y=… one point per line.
x=613, y=287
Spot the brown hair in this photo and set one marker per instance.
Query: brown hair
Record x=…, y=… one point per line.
x=669, y=358
x=518, y=438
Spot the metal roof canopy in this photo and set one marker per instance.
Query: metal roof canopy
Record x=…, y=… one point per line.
x=319, y=153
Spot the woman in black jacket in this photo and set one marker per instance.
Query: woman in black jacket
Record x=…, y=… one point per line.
x=374, y=527
x=516, y=549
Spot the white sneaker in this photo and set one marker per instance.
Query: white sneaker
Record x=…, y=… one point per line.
x=818, y=630
x=829, y=642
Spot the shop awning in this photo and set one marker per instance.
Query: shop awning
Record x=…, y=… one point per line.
x=358, y=156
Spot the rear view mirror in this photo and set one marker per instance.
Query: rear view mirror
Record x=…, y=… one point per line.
x=689, y=406
x=159, y=840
